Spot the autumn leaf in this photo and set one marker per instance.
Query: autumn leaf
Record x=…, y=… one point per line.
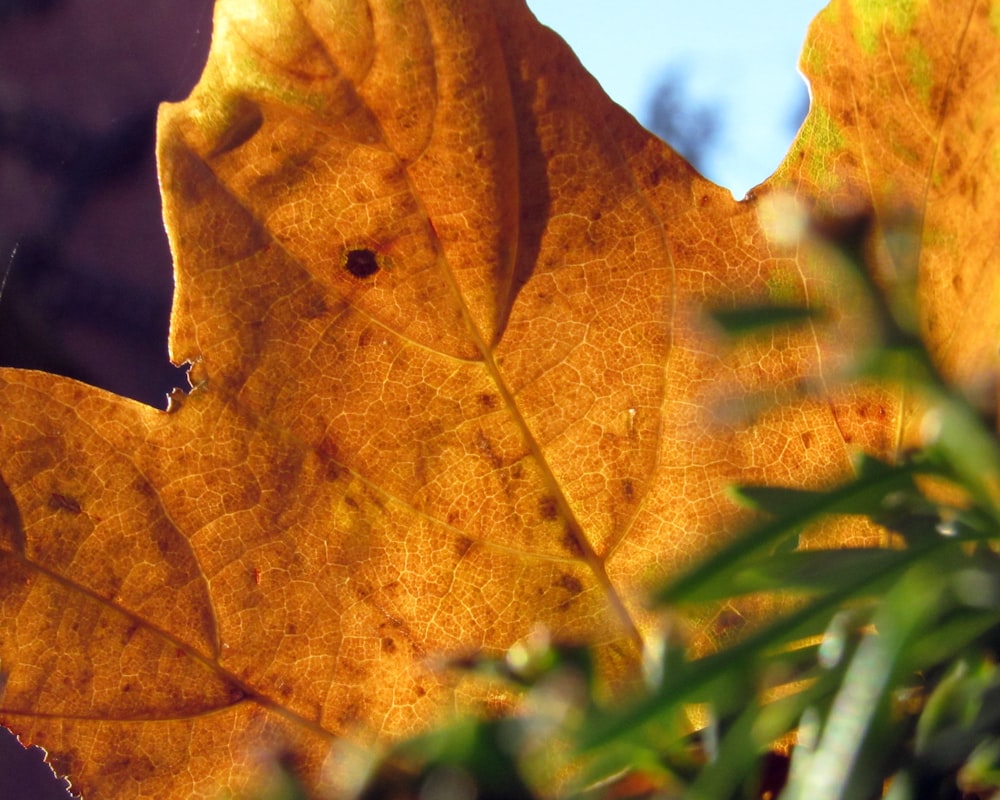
x=443, y=302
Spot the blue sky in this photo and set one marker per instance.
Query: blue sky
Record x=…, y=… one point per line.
x=740, y=56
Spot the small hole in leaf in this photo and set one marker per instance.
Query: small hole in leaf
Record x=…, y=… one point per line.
x=362, y=263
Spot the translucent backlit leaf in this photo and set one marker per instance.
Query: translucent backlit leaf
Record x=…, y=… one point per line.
x=443, y=301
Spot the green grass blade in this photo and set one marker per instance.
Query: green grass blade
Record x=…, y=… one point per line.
x=863, y=496
x=755, y=318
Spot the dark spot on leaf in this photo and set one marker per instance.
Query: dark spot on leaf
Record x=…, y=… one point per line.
x=350, y=715
x=463, y=546
x=464, y=661
x=486, y=448
x=315, y=307
x=487, y=400
x=141, y=486
x=420, y=691
x=807, y=439
x=388, y=645
x=129, y=632
x=62, y=502
x=728, y=624
x=628, y=490
x=571, y=542
x=138, y=769
x=362, y=263
x=291, y=629
x=548, y=508
x=570, y=583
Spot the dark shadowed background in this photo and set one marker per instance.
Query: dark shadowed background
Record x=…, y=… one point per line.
x=84, y=265
x=82, y=248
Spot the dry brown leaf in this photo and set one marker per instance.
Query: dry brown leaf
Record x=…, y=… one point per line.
x=511, y=416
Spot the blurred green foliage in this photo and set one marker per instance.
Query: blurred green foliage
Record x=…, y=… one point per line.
x=881, y=679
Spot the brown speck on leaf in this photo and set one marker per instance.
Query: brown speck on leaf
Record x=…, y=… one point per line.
x=129, y=632
x=62, y=502
x=485, y=446
x=571, y=542
x=570, y=584
x=728, y=623
x=316, y=307
x=548, y=508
